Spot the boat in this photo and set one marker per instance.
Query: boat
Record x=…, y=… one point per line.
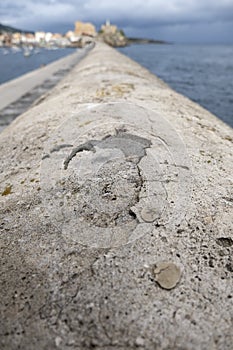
x=27, y=53
x=15, y=49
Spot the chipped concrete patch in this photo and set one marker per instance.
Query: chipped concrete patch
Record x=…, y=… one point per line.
x=114, y=181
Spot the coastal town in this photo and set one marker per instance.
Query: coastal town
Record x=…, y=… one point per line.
x=83, y=34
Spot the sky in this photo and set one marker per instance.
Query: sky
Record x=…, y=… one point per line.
x=177, y=21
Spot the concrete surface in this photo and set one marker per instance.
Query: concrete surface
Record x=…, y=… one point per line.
x=116, y=216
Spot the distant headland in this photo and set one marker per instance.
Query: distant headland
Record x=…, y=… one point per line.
x=83, y=34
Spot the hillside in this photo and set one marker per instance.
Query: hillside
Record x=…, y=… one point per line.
x=8, y=29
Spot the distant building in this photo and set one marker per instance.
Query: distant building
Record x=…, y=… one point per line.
x=108, y=28
x=30, y=38
x=72, y=37
x=84, y=29
x=83, y=34
x=7, y=39
x=39, y=37
x=69, y=34
x=56, y=36
x=58, y=39
x=48, y=37
x=1, y=39
x=16, y=38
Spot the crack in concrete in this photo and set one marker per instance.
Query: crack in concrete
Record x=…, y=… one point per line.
x=59, y=147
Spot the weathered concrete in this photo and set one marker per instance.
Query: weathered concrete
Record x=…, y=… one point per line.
x=116, y=216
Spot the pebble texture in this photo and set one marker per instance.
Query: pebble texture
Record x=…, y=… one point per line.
x=167, y=274
x=112, y=174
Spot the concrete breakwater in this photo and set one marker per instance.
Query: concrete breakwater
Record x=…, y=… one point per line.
x=116, y=216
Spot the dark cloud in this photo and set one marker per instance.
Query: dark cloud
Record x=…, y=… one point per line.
x=203, y=20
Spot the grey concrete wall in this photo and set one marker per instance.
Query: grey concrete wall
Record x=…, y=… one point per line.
x=116, y=216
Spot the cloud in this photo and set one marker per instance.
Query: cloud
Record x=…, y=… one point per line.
x=134, y=14
x=30, y=14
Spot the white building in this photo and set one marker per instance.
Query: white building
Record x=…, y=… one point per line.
x=48, y=37
x=40, y=36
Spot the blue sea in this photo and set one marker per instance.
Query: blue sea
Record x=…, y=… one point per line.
x=202, y=73
x=16, y=62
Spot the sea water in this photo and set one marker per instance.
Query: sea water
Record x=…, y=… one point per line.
x=204, y=73
x=15, y=62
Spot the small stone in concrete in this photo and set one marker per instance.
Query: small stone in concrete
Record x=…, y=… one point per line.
x=139, y=341
x=167, y=274
x=7, y=190
x=58, y=341
x=149, y=214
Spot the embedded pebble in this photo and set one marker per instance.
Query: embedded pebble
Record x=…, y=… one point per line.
x=149, y=214
x=139, y=341
x=58, y=341
x=167, y=274
x=7, y=190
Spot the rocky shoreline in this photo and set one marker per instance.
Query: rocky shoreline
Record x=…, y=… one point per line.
x=145, y=41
